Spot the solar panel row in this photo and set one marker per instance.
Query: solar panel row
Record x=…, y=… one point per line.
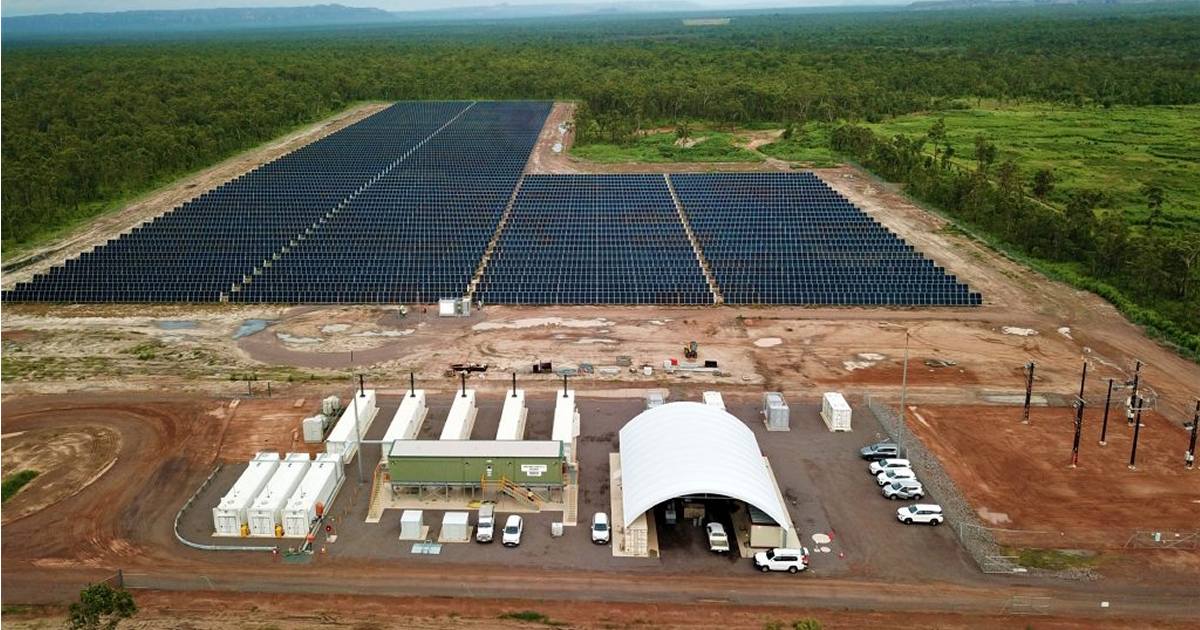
x=401, y=207
x=788, y=238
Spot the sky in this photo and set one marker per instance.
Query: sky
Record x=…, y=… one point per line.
x=32, y=7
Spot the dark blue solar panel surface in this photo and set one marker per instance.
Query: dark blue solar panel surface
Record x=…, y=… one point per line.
x=418, y=232
x=594, y=239
x=787, y=238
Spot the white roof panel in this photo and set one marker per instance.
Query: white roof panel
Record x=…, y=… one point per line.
x=685, y=448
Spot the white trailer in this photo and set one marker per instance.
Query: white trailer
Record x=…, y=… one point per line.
x=461, y=418
x=566, y=422
x=713, y=399
x=409, y=418
x=343, y=439
x=512, y=418
x=313, y=496
x=835, y=411
x=230, y=514
x=267, y=510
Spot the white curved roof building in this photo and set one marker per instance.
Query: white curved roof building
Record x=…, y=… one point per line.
x=689, y=448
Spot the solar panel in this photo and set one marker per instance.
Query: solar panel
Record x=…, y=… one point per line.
x=788, y=238
x=594, y=239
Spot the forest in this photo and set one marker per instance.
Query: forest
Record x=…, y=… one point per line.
x=89, y=124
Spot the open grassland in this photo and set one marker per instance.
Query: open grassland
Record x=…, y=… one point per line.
x=1114, y=151
x=701, y=146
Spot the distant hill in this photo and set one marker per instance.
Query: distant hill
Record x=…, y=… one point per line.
x=505, y=11
x=938, y=5
x=127, y=22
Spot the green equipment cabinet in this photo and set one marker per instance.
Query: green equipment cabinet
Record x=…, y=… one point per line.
x=473, y=463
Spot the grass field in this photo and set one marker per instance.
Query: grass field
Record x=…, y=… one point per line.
x=1114, y=151
x=809, y=146
x=706, y=146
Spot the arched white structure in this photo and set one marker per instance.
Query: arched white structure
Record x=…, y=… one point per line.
x=686, y=448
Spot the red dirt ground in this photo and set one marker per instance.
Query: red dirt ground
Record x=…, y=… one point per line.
x=1022, y=472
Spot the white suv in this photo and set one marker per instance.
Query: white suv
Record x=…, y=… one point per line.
x=779, y=559
x=888, y=464
x=512, y=531
x=927, y=513
x=895, y=474
x=904, y=489
x=600, y=533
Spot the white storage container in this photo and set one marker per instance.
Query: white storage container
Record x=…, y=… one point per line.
x=835, y=411
x=775, y=412
x=267, y=510
x=406, y=424
x=230, y=513
x=461, y=418
x=330, y=406
x=316, y=490
x=654, y=399
x=313, y=429
x=566, y=422
x=411, y=524
x=456, y=527
x=342, y=439
x=713, y=399
x=512, y=418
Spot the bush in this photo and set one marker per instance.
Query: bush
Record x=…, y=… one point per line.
x=14, y=482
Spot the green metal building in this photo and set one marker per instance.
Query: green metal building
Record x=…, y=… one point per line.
x=476, y=463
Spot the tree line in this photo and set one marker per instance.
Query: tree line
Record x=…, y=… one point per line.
x=86, y=125
x=1151, y=273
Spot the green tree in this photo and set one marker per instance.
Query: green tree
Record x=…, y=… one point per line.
x=100, y=607
x=1155, y=197
x=1043, y=183
x=985, y=154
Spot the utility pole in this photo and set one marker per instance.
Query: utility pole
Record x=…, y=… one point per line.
x=1104, y=425
x=903, y=399
x=514, y=391
x=1137, y=429
x=358, y=457
x=1029, y=367
x=564, y=385
x=1133, y=398
x=412, y=385
x=1079, y=404
x=1190, y=458
x=463, y=376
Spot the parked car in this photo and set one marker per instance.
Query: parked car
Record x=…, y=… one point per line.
x=780, y=559
x=904, y=489
x=600, y=529
x=487, y=523
x=895, y=474
x=718, y=540
x=512, y=531
x=887, y=464
x=879, y=450
x=927, y=513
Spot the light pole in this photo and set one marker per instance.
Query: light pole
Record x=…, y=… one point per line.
x=357, y=433
x=903, y=398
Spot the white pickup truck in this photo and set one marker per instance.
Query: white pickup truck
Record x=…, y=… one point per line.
x=718, y=540
x=487, y=523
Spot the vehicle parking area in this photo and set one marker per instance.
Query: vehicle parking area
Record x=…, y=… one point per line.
x=836, y=505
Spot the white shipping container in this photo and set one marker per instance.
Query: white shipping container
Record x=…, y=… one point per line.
x=713, y=399
x=230, y=513
x=319, y=486
x=456, y=527
x=342, y=439
x=406, y=424
x=512, y=418
x=461, y=418
x=566, y=422
x=266, y=511
x=835, y=411
x=313, y=429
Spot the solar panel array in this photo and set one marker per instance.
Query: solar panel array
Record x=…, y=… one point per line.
x=594, y=239
x=417, y=233
x=402, y=206
x=787, y=238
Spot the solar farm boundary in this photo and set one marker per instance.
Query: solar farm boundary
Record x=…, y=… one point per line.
x=329, y=216
x=494, y=242
x=713, y=287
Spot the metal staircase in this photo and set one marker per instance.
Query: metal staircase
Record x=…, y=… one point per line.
x=522, y=495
